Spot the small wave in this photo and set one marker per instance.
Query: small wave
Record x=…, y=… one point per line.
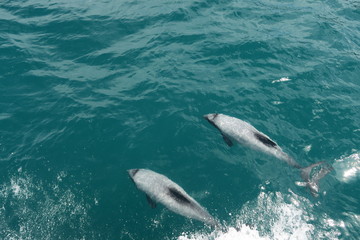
x=4, y=116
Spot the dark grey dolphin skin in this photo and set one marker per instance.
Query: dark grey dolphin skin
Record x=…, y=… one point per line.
x=159, y=188
x=233, y=129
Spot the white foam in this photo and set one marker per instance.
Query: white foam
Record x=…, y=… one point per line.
x=245, y=233
x=283, y=79
x=307, y=148
x=277, y=102
x=19, y=187
x=348, y=168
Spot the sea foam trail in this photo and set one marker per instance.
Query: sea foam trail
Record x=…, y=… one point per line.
x=274, y=216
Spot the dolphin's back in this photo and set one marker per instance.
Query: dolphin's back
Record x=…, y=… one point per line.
x=243, y=132
x=161, y=189
x=246, y=134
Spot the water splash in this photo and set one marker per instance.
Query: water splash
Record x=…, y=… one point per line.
x=30, y=209
x=274, y=216
x=348, y=168
x=244, y=233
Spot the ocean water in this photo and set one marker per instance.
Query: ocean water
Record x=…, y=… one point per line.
x=89, y=89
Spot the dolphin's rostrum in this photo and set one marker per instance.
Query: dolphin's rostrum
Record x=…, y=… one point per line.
x=234, y=129
x=159, y=188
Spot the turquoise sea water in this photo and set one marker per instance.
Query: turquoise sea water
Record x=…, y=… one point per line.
x=89, y=89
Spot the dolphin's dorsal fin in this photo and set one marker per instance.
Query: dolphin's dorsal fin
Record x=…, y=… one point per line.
x=227, y=140
x=265, y=140
x=151, y=202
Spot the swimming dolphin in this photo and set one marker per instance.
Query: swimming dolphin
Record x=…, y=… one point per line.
x=159, y=188
x=234, y=129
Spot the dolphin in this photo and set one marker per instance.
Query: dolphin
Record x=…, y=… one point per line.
x=159, y=188
x=234, y=129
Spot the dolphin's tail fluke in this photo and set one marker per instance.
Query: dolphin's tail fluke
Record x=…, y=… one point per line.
x=313, y=182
